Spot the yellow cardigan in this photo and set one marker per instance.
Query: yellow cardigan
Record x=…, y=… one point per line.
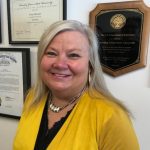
x=94, y=124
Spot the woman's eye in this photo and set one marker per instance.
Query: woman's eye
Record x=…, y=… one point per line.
x=74, y=55
x=51, y=53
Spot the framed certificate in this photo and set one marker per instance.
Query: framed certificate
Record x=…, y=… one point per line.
x=27, y=19
x=123, y=33
x=14, y=80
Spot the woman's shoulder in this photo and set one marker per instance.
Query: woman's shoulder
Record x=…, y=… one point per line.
x=107, y=111
x=105, y=105
x=28, y=98
x=31, y=105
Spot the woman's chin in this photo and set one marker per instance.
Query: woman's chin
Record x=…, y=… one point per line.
x=59, y=88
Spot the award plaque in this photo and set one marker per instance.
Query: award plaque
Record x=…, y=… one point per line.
x=122, y=30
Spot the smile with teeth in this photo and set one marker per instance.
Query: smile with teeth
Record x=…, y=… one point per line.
x=60, y=75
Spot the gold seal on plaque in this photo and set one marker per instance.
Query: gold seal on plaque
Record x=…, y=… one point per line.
x=118, y=21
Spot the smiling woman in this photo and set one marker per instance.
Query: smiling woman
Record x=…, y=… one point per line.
x=64, y=65
x=70, y=104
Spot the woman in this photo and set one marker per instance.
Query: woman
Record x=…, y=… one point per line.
x=70, y=106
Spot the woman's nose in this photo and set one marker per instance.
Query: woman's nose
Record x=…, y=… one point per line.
x=60, y=62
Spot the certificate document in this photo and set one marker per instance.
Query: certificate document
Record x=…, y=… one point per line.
x=11, y=83
x=29, y=18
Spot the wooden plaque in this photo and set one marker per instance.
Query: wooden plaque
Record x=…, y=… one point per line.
x=122, y=29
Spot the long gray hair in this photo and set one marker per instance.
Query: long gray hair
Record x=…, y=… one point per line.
x=96, y=82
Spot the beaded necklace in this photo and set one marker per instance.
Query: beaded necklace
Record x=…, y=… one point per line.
x=57, y=109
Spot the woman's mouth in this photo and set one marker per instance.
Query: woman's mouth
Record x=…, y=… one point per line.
x=60, y=75
x=57, y=75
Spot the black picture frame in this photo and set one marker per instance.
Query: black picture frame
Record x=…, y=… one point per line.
x=15, y=80
x=28, y=20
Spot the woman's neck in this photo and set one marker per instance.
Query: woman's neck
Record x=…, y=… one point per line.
x=63, y=97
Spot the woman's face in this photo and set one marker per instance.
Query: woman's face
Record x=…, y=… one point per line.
x=64, y=65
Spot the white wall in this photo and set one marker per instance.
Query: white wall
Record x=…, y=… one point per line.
x=132, y=88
